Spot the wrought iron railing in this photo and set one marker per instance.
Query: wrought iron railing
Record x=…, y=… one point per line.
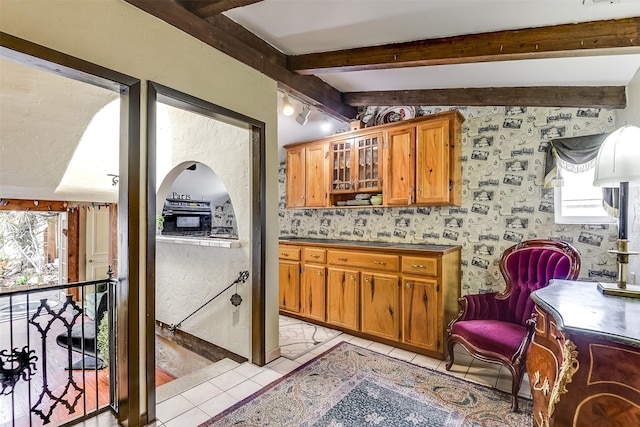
x=56, y=360
x=236, y=299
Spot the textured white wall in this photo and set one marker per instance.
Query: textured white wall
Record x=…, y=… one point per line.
x=187, y=276
x=121, y=37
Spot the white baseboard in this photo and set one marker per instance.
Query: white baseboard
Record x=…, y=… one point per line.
x=272, y=355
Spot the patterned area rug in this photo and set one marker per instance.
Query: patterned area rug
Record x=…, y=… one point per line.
x=298, y=337
x=350, y=386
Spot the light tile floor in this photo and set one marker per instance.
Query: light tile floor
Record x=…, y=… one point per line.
x=203, y=401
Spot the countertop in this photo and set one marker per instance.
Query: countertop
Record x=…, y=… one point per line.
x=580, y=308
x=373, y=245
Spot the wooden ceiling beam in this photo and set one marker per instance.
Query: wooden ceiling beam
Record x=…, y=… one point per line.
x=558, y=41
x=541, y=96
x=207, y=8
x=235, y=41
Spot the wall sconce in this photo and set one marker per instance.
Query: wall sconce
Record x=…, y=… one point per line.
x=617, y=165
x=304, y=115
x=287, y=106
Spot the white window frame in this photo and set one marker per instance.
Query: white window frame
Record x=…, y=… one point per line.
x=562, y=218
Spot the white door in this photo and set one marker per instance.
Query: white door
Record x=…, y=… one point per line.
x=97, y=263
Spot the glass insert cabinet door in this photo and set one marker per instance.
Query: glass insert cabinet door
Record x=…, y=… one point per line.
x=341, y=180
x=368, y=149
x=364, y=175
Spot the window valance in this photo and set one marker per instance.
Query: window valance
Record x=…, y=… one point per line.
x=577, y=154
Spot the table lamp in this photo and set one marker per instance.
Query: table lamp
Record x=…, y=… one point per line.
x=617, y=165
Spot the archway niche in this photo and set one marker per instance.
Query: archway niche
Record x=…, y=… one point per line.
x=194, y=201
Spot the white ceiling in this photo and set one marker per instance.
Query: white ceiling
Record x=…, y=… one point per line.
x=306, y=26
x=43, y=119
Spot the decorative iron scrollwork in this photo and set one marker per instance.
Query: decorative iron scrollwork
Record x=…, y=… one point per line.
x=14, y=365
x=67, y=315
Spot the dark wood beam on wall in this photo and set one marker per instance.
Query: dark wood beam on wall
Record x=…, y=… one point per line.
x=34, y=205
x=541, y=96
x=206, y=8
x=558, y=41
x=228, y=37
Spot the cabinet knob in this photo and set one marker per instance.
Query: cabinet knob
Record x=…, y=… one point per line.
x=366, y=279
x=285, y=253
x=351, y=277
x=315, y=256
x=379, y=262
x=418, y=266
x=319, y=273
x=343, y=259
x=408, y=285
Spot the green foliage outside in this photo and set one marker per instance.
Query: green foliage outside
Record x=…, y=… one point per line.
x=22, y=246
x=103, y=339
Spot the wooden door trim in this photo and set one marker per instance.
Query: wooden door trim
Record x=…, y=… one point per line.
x=44, y=58
x=157, y=92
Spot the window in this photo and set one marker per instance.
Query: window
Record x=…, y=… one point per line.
x=577, y=201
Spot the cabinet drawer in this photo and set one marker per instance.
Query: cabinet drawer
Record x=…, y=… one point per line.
x=289, y=252
x=420, y=265
x=365, y=260
x=314, y=255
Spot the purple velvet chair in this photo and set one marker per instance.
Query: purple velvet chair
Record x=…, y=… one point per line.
x=495, y=327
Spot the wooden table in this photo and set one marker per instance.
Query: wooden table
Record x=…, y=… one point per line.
x=584, y=362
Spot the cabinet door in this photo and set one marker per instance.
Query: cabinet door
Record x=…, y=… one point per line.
x=295, y=177
x=367, y=152
x=399, y=175
x=340, y=164
x=421, y=323
x=432, y=162
x=343, y=291
x=289, y=286
x=380, y=307
x=313, y=292
x=315, y=176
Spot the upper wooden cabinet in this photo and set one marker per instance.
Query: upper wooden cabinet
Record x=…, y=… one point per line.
x=413, y=162
x=306, y=176
x=422, y=163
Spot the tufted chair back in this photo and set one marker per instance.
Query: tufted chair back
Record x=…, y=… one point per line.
x=529, y=266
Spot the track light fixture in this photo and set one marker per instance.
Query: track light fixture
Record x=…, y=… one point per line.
x=287, y=106
x=304, y=115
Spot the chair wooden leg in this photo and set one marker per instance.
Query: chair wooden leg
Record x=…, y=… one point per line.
x=516, y=382
x=450, y=356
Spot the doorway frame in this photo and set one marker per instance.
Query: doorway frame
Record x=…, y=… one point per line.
x=127, y=398
x=159, y=93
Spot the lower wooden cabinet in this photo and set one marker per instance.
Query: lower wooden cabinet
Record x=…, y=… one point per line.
x=399, y=296
x=312, y=304
x=289, y=282
x=380, y=305
x=343, y=292
x=421, y=313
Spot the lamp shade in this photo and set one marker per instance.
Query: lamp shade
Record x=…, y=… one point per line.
x=618, y=159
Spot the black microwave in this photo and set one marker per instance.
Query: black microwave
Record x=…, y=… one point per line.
x=186, y=218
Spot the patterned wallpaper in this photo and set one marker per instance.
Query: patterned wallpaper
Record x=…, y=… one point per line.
x=224, y=216
x=503, y=199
